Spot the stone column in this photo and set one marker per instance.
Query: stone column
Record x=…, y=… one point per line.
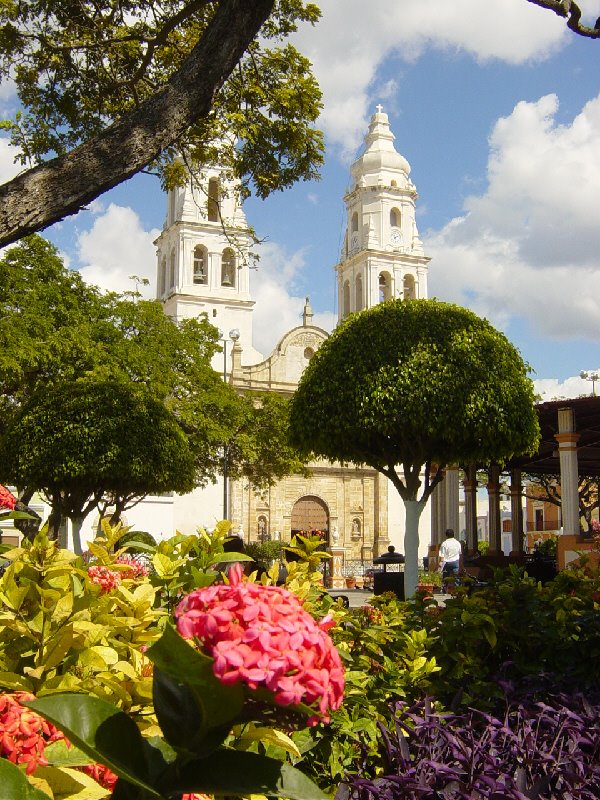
x=516, y=511
x=569, y=473
x=470, y=484
x=493, y=488
x=452, y=513
x=438, y=522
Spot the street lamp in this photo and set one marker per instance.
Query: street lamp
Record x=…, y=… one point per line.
x=588, y=375
x=234, y=335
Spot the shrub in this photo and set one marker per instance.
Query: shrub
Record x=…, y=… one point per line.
x=544, y=749
x=513, y=628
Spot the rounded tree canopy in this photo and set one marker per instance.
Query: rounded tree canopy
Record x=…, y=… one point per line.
x=91, y=434
x=411, y=382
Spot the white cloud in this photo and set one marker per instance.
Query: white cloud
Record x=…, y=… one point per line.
x=117, y=247
x=8, y=168
x=279, y=303
x=353, y=39
x=552, y=389
x=530, y=245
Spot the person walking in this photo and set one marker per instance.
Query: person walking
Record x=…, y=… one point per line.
x=449, y=555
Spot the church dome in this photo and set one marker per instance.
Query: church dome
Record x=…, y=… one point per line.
x=379, y=155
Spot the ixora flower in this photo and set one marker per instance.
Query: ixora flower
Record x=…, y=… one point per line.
x=103, y=576
x=7, y=499
x=262, y=636
x=136, y=569
x=23, y=733
x=24, y=736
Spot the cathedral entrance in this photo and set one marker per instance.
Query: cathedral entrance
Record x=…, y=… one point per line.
x=310, y=514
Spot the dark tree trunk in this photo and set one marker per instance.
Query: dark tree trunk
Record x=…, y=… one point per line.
x=63, y=186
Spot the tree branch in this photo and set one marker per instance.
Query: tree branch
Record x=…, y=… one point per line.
x=572, y=13
x=46, y=194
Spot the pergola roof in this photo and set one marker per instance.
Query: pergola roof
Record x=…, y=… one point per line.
x=587, y=424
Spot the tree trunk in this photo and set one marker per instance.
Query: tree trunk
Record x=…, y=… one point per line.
x=413, y=510
x=64, y=185
x=76, y=523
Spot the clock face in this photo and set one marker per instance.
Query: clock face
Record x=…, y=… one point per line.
x=396, y=237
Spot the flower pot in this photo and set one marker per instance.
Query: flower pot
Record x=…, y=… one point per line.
x=350, y=583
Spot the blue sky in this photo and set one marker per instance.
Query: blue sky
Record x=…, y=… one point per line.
x=496, y=106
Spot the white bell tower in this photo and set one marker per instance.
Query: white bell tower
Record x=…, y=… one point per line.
x=382, y=256
x=203, y=258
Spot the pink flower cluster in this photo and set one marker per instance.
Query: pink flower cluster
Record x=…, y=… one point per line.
x=136, y=568
x=103, y=576
x=261, y=636
x=23, y=733
x=7, y=499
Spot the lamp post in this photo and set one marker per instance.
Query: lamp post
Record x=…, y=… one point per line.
x=234, y=335
x=588, y=375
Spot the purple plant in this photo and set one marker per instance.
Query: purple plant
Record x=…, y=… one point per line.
x=536, y=750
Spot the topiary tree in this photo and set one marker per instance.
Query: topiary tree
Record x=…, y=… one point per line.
x=79, y=442
x=410, y=384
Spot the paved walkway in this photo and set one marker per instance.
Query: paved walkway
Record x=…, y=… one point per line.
x=358, y=597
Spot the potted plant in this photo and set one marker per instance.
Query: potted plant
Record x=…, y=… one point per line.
x=351, y=581
x=429, y=582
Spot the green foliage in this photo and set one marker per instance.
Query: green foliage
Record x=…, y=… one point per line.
x=82, y=441
x=60, y=632
x=415, y=382
x=513, y=628
x=101, y=61
x=408, y=384
x=183, y=563
x=265, y=553
x=482, y=547
x=386, y=658
x=72, y=360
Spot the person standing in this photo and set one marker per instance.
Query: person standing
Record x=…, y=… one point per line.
x=449, y=555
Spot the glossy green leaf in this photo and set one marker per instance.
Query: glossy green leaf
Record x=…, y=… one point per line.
x=15, y=786
x=104, y=733
x=218, y=705
x=231, y=772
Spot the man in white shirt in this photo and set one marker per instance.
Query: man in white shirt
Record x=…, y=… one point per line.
x=449, y=555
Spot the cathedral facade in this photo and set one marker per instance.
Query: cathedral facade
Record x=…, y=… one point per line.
x=203, y=266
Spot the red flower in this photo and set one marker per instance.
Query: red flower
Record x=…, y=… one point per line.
x=136, y=568
x=261, y=636
x=101, y=775
x=102, y=576
x=23, y=733
x=7, y=499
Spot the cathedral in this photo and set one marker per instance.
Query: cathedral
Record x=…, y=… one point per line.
x=203, y=266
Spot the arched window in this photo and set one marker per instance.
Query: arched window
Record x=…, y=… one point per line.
x=228, y=267
x=394, y=183
x=355, y=222
x=200, y=265
x=385, y=287
x=213, y=200
x=172, y=271
x=346, y=299
x=409, y=287
x=395, y=218
x=358, y=294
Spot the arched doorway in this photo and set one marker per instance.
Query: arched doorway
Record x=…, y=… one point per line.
x=310, y=513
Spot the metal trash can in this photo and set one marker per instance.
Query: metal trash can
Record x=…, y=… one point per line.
x=384, y=581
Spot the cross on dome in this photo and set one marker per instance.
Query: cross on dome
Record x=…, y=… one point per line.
x=379, y=108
